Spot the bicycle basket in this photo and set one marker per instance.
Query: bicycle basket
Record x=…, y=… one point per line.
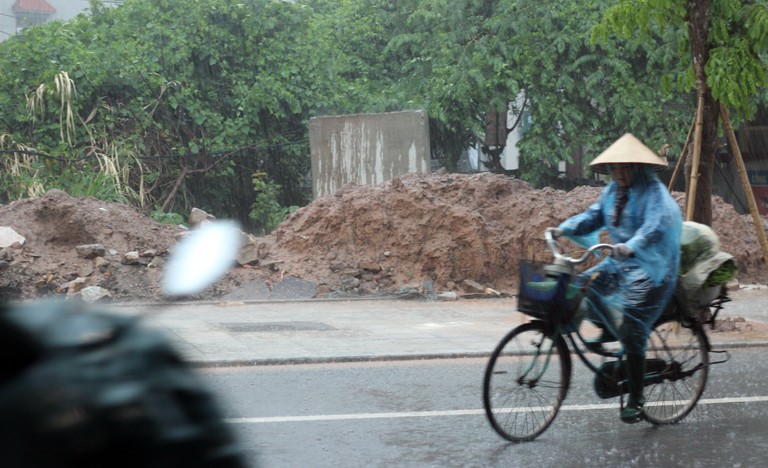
x=548, y=296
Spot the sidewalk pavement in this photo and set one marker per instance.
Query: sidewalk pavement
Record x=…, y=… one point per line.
x=311, y=331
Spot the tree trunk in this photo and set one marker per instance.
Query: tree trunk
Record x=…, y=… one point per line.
x=495, y=140
x=494, y=159
x=702, y=210
x=698, y=31
x=174, y=190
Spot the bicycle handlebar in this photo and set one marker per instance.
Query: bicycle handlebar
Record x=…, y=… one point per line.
x=553, y=246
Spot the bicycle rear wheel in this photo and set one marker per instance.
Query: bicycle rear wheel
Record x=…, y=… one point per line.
x=679, y=353
x=526, y=381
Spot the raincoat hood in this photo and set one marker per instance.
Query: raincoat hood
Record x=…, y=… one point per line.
x=651, y=224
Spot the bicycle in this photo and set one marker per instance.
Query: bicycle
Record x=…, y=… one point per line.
x=528, y=374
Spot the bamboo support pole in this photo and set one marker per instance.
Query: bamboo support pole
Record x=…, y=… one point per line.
x=742, y=170
x=691, y=200
x=681, y=159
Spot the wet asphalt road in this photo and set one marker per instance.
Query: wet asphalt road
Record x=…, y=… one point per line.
x=429, y=414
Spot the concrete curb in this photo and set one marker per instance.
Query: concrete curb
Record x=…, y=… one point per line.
x=334, y=360
x=716, y=346
x=355, y=329
x=161, y=305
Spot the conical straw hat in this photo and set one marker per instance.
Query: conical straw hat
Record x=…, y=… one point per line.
x=627, y=149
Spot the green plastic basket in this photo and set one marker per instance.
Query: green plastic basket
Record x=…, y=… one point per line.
x=549, y=296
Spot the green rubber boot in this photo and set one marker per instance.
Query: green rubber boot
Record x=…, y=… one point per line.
x=633, y=411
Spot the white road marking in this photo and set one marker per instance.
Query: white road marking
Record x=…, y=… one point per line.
x=474, y=412
x=444, y=325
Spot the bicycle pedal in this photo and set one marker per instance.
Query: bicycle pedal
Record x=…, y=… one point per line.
x=598, y=346
x=595, y=346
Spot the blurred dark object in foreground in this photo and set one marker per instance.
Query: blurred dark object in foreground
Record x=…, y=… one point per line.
x=80, y=388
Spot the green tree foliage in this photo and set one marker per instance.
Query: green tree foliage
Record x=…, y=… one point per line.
x=451, y=64
x=582, y=95
x=170, y=104
x=736, y=70
x=722, y=56
x=266, y=212
x=173, y=89
x=353, y=36
x=460, y=60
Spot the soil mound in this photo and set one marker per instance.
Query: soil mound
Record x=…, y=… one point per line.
x=56, y=223
x=448, y=231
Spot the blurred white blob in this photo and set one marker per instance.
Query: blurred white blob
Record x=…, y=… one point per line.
x=201, y=258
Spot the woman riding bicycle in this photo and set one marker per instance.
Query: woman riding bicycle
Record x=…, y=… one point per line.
x=630, y=288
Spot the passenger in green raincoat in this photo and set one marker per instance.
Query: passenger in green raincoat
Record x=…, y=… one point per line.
x=635, y=283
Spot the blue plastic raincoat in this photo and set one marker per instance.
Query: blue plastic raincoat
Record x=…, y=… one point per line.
x=630, y=293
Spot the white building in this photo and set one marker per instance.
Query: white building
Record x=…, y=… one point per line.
x=15, y=15
x=510, y=156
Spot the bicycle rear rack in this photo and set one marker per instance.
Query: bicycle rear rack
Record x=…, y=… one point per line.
x=717, y=304
x=727, y=356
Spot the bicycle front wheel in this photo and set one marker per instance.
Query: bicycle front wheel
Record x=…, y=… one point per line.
x=526, y=381
x=678, y=352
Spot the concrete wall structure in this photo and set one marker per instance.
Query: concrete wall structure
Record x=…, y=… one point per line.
x=367, y=149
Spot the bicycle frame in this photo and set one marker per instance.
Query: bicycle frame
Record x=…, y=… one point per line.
x=529, y=371
x=612, y=378
x=543, y=368
x=567, y=332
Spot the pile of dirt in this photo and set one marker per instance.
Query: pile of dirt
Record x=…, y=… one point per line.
x=449, y=231
x=56, y=223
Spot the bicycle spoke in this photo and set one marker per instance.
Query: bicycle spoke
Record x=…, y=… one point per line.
x=683, y=379
x=525, y=382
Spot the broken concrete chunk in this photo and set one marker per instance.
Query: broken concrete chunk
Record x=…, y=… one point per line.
x=352, y=272
x=474, y=285
x=74, y=286
x=725, y=325
x=294, y=288
x=247, y=239
x=249, y=254
x=85, y=270
x=90, y=250
x=198, y=216
x=336, y=267
x=251, y=290
x=93, y=294
x=349, y=283
x=131, y=258
x=6, y=254
x=10, y=238
x=369, y=266
x=447, y=296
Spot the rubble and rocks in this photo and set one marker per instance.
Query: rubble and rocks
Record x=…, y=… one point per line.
x=90, y=250
x=197, y=217
x=424, y=234
x=91, y=294
x=730, y=324
x=10, y=238
x=63, y=233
